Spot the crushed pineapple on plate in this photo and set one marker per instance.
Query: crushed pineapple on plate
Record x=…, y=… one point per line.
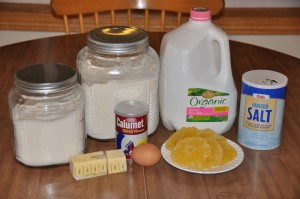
x=201, y=151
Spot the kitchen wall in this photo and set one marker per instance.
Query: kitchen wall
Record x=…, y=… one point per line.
x=289, y=44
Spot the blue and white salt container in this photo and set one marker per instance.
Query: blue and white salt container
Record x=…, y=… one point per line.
x=261, y=109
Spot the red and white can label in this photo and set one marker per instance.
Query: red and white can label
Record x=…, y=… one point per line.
x=130, y=132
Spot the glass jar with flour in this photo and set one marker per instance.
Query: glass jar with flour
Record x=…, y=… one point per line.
x=47, y=112
x=117, y=65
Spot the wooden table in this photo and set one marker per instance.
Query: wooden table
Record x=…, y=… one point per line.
x=263, y=174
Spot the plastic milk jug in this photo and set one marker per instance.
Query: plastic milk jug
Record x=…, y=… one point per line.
x=196, y=87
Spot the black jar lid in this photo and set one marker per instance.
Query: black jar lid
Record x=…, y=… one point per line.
x=45, y=78
x=117, y=40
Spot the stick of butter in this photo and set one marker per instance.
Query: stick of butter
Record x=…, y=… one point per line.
x=116, y=161
x=88, y=165
x=98, y=164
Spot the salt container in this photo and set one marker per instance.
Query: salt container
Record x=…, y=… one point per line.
x=117, y=65
x=47, y=112
x=262, y=109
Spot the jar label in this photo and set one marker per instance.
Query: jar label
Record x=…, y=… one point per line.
x=207, y=106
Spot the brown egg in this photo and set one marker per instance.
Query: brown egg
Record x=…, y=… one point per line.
x=146, y=154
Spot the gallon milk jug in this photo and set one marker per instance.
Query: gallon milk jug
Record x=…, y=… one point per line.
x=196, y=87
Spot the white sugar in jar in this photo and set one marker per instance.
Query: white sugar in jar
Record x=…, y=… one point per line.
x=117, y=65
x=47, y=112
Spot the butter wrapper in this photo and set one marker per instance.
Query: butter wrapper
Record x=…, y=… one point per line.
x=88, y=165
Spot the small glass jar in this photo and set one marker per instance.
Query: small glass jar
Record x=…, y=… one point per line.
x=117, y=65
x=47, y=111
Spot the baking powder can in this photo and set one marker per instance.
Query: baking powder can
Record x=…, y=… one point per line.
x=131, y=125
x=261, y=109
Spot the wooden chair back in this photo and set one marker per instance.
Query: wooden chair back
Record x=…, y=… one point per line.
x=129, y=11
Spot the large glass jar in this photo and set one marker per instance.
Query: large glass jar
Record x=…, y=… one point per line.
x=117, y=65
x=47, y=111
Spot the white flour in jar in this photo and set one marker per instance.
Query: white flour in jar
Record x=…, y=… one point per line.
x=49, y=139
x=101, y=99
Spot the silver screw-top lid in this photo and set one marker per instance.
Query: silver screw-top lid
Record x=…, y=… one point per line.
x=45, y=78
x=117, y=40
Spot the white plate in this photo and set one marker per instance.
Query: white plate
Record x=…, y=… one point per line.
x=219, y=169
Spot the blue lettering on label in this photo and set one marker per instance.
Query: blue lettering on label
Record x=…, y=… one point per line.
x=259, y=115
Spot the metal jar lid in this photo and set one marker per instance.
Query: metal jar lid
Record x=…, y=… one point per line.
x=117, y=40
x=131, y=108
x=45, y=78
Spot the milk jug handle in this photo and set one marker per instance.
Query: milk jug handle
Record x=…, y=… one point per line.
x=223, y=44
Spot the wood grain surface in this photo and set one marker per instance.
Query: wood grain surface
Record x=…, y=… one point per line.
x=40, y=17
x=263, y=174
